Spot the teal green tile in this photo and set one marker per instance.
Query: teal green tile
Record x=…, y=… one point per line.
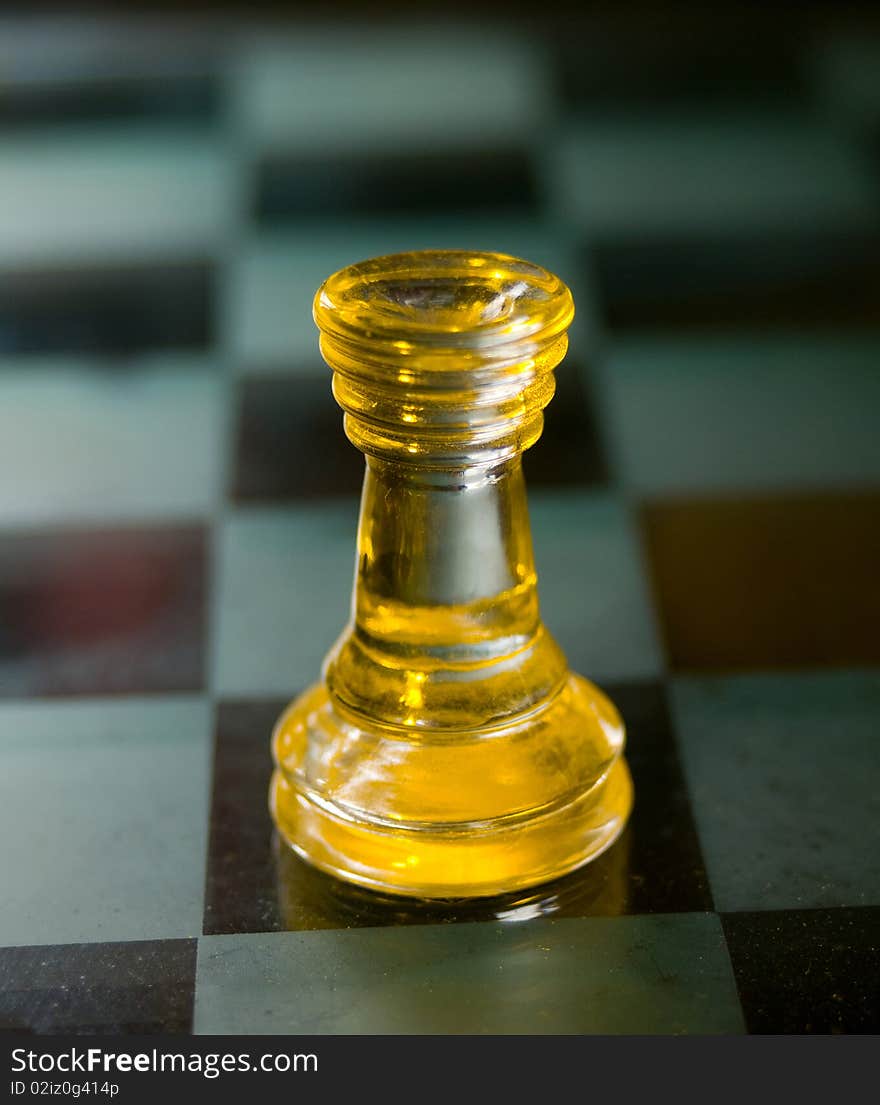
x=660, y=974
x=85, y=443
x=446, y=85
x=105, y=192
x=592, y=586
x=675, y=171
x=103, y=815
x=283, y=596
x=783, y=773
x=740, y=413
x=844, y=68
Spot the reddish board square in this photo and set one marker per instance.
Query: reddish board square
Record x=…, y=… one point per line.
x=117, y=611
x=764, y=583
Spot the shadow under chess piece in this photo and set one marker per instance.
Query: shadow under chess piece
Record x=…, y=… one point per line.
x=448, y=751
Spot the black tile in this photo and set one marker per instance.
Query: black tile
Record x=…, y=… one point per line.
x=570, y=450
x=783, y=581
x=240, y=893
x=107, y=309
x=174, y=97
x=499, y=182
x=257, y=884
x=812, y=970
x=666, y=870
x=670, y=57
x=290, y=442
x=117, y=611
x=141, y=986
x=812, y=278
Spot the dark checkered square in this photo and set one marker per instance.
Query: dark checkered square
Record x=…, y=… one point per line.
x=813, y=279
x=107, y=309
x=142, y=986
x=811, y=970
x=571, y=449
x=491, y=181
x=290, y=442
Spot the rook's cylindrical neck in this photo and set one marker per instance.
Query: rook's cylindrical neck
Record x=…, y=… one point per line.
x=445, y=557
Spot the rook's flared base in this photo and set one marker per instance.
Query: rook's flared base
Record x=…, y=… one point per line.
x=452, y=816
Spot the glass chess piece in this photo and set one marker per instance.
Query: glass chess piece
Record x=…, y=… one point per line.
x=447, y=752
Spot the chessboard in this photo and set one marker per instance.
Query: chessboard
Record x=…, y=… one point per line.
x=178, y=507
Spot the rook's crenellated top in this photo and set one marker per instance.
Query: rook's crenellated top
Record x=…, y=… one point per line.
x=443, y=357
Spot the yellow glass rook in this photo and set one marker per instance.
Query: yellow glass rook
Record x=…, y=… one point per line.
x=448, y=751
